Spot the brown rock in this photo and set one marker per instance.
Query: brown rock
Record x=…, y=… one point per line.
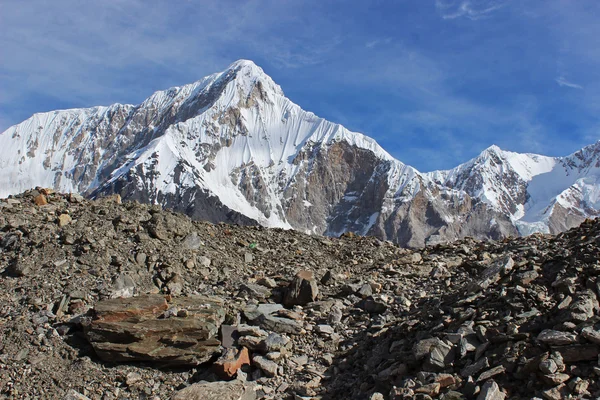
x=136, y=329
x=40, y=200
x=432, y=389
x=230, y=362
x=302, y=290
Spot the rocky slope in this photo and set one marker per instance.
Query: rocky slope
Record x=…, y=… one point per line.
x=231, y=147
x=107, y=300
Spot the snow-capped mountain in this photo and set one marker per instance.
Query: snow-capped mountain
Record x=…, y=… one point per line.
x=231, y=147
x=538, y=193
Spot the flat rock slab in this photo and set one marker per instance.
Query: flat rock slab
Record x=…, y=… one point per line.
x=233, y=390
x=154, y=328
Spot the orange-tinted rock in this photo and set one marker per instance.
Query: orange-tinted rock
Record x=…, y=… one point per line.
x=231, y=361
x=40, y=200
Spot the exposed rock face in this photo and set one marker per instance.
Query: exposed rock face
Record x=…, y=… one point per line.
x=169, y=331
x=232, y=148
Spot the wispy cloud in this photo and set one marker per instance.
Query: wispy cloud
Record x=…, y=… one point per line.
x=562, y=81
x=378, y=42
x=471, y=9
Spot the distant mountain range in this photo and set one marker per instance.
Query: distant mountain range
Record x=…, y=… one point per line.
x=231, y=147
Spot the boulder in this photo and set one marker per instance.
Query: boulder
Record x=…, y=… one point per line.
x=155, y=328
x=302, y=290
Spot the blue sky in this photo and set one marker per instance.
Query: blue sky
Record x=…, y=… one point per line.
x=434, y=81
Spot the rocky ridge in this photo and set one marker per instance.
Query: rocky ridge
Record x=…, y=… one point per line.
x=285, y=315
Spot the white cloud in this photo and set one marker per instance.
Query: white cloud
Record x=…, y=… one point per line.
x=472, y=9
x=378, y=42
x=562, y=81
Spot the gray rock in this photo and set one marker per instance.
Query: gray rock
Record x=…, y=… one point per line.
x=472, y=369
x=233, y=390
x=74, y=395
x=252, y=313
x=123, y=286
x=365, y=291
x=192, y=242
x=267, y=366
x=492, y=274
x=441, y=355
x=255, y=291
x=274, y=342
x=491, y=391
x=548, y=366
x=491, y=372
x=278, y=324
x=590, y=334
x=324, y=329
x=556, y=338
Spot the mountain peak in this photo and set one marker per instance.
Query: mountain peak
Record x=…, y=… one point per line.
x=493, y=149
x=243, y=63
x=248, y=74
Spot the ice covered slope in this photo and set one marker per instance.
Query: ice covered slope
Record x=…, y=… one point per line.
x=539, y=193
x=231, y=147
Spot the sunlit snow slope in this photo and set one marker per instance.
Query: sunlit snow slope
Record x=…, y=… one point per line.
x=231, y=147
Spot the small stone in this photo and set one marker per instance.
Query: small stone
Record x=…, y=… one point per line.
x=267, y=366
x=64, y=219
x=192, y=241
x=74, y=395
x=232, y=390
x=555, y=379
x=75, y=198
x=472, y=369
x=432, y=389
x=372, y=306
x=491, y=391
x=548, y=366
x=324, y=329
x=133, y=378
x=255, y=291
x=579, y=386
x=492, y=274
x=365, y=291
x=274, y=342
x=591, y=335
x=556, y=338
x=203, y=261
x=267, y=282
x=140, y=258
x=230, y=362
x=556, y=393
x=40, y=200
x=491, y=372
